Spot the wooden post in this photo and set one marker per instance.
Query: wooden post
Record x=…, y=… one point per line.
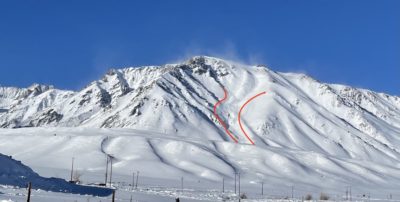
x=29, y=192
x=113, y=196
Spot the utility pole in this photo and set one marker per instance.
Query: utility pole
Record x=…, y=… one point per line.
x=111, y=160
x=262, y=188
x=350, y=193
x=292, y=191
x=133, y=180
x=223, y=185
x=235, y=182
x=181, y=184
x=137, y=179
x=105, y=181
x=239, y=184
x=72, y=169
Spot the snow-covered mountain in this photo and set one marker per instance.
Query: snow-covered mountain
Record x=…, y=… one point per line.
x=299, y=124
x=178, y=98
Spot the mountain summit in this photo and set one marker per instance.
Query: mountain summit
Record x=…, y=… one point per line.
x=296, y=112
x=305, y=127
x=179, y=98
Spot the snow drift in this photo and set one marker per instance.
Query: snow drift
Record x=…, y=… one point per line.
x=14, y=173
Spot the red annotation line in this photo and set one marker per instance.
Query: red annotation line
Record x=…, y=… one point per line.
x=240, y=111
x=220, y=120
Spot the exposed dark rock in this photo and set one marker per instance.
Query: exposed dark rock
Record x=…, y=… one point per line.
x=47, y=117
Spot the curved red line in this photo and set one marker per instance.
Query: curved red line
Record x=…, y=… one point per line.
x=220, y=120
x=240, y=111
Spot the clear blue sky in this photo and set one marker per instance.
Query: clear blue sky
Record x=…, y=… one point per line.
x=70, y=43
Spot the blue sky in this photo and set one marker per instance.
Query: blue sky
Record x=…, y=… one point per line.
x=70, y=43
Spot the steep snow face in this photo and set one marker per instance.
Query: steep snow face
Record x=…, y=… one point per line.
x=10, y=94
x=297, y=112
x=31, y=106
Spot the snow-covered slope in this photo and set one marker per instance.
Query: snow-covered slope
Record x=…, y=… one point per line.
x=14, y=173
x=297, y=111
x=307, y=127
x=163, y=159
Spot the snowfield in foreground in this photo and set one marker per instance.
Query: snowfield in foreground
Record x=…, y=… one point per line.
x=163, y=159
x=14, y=173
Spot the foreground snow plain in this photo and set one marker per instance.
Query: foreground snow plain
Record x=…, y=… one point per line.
x=162, y=160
